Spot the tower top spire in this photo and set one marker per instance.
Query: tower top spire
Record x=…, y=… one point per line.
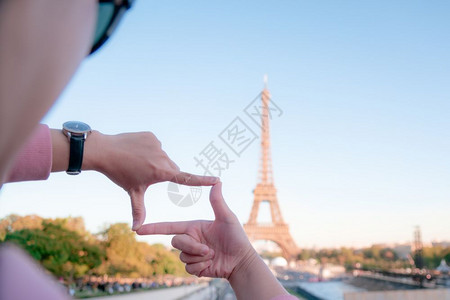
x=265, y=171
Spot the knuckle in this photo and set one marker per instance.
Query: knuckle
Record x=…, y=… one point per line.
x=151, y=137
x=164, y=174
x=137, y=205
x=137, y=213
x=149, y=134
x=174, y=169
x=138, y=209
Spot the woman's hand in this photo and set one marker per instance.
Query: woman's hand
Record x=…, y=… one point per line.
x=209, y=248
x=220, y=248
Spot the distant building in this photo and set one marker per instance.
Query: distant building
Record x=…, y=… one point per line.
x=279, y=262
x=403, y=251
x=443, y=267
x=443, y=244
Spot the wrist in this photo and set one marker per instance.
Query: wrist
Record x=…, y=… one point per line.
x=93, y=151
x=252, y=279
x=245, y=266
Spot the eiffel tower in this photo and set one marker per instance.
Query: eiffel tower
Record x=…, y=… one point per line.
x=265, y=191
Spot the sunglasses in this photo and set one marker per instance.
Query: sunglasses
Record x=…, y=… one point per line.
x=109, y=14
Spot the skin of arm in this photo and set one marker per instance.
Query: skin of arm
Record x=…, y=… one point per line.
x=220, y=248
x=133, y=161
x=42, y=44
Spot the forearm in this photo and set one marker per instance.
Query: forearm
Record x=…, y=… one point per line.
x=34, y=160
x=254, y=280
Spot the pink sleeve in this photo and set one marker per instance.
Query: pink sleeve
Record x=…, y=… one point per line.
x=285, y=297
x=34, y=161
x=22, y=278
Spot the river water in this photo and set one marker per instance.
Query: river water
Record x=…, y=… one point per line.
x=329, y=290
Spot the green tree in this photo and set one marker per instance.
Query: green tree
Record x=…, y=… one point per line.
x=130, y=258
x=61, y=251
x=66, y=248
x=432, y=256
x=14, y=222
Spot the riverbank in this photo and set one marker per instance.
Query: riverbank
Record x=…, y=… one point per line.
x=172, y=293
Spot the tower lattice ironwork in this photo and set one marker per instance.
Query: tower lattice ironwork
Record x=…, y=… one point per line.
x=265, y=191
x=418, y=249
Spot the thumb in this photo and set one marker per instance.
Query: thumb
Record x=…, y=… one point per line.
x=221, y=210
x=137, y=207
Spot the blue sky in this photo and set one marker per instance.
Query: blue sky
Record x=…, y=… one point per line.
x=360, y=153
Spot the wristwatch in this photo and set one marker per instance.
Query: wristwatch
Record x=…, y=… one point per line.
x=77, y=132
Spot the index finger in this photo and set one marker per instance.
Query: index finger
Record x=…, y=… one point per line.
x=194, y=180
x=165, y=228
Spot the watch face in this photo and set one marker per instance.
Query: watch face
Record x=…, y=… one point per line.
x=76, y=127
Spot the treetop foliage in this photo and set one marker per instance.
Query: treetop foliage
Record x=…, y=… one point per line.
x=65, y=248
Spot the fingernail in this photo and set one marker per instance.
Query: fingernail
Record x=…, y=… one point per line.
x=205, y=250
x=135, y=226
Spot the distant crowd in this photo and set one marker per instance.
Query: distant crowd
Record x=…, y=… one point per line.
x=94, y=285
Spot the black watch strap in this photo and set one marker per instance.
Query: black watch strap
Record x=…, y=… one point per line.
x=76, y=154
